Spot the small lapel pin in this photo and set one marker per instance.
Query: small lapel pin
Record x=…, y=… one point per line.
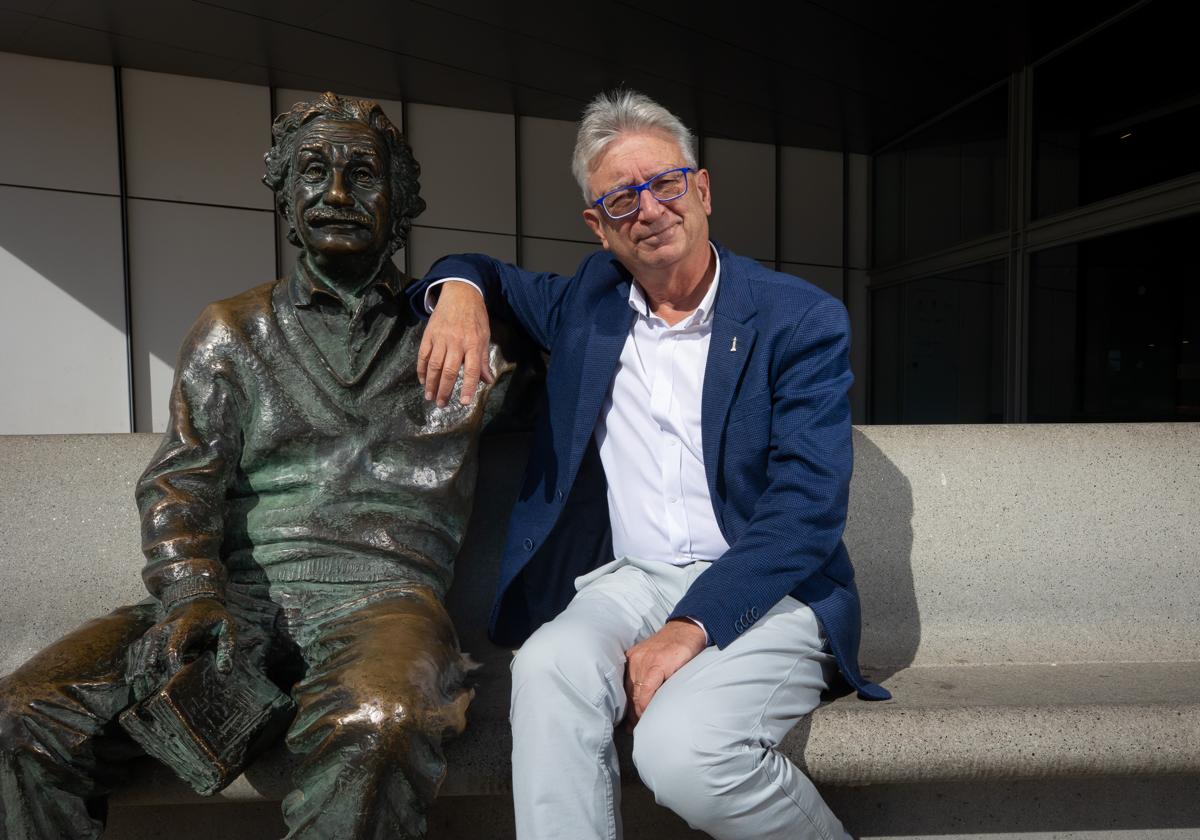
x=733, y=345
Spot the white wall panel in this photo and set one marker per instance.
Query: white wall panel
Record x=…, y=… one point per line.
x=810, y=206
x=551, y=203
x=554, y=255
x=182, y=257
x=743, y=190
x=62, y=327
x=196, y=140
x=66, y=137
x=468, y=167
x=428, y=244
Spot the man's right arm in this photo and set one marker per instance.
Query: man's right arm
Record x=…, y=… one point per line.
x=457, y=334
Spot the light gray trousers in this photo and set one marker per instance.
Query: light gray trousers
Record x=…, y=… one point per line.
x=706, y=744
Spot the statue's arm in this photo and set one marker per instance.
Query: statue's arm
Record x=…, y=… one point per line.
x=181, y=494
x=181, y=497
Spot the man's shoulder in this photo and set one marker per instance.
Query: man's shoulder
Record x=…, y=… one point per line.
x=777, y=295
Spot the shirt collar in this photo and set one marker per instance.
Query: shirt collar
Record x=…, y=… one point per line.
x=703, y=313
x=305, y=283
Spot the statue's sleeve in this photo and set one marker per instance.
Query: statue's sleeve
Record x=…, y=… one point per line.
x=181, y=495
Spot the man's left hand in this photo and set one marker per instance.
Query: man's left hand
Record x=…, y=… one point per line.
x=651, y=663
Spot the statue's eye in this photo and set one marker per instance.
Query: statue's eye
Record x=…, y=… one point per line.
x=314, y=171
x=363, y=176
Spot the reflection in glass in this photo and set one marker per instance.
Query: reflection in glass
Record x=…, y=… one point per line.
x=1118, y=111
x=937, y=348
x=946, y=185
x=1115, y=327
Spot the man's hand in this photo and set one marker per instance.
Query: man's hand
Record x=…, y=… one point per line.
x=651, y=663
x=456, y=337
x=163, y=649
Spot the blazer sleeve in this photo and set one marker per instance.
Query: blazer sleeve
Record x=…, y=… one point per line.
x=535, y=300
x=797, y=522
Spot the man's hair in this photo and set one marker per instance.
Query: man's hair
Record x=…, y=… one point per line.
x=612, y=113
x=405, y=172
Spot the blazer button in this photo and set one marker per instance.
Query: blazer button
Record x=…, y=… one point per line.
x=558, y=495
x=528, y=544
x=754, y=613
x=738, y=626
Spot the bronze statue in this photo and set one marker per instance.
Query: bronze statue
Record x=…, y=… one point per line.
x=301, y=517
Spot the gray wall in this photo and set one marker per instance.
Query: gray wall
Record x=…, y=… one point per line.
x=200, y=225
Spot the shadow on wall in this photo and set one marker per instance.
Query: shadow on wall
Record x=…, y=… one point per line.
x=879, y=538
x=71, y=241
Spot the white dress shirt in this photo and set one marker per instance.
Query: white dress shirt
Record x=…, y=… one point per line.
x=648, y=435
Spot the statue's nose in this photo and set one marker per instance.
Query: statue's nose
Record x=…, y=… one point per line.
x=337, y=195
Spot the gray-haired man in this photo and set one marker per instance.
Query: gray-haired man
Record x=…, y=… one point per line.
x=712, y=393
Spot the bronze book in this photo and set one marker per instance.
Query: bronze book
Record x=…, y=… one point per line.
x=207, y=726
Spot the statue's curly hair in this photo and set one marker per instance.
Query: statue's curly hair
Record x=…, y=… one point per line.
x=407, y=203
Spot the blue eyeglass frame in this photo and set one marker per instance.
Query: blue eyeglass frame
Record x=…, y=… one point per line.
x=638, y=189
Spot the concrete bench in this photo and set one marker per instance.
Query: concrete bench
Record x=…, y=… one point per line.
x=1030, y=597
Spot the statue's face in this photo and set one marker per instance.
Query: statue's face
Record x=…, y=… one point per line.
x=341, y=199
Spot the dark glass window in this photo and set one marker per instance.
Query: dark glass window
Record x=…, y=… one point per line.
x=937, y=348
x=1117, y=111
x=1115, y=327
x=946, y=185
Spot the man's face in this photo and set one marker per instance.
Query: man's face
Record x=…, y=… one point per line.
x=659, y=234
x=341, y=190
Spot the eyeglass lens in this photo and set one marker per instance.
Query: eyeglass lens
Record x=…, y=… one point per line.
x=664, y=187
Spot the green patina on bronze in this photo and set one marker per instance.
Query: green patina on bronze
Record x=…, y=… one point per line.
x=301, y=518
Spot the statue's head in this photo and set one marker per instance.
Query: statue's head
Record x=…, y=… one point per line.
x=344, y=179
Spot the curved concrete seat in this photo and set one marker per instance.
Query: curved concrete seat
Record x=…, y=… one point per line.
x=1029, y=597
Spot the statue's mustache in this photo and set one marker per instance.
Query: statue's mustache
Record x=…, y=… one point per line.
x=320, y=215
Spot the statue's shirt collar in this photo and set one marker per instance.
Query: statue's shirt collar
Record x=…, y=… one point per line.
x=348, y=341
x=305, y=283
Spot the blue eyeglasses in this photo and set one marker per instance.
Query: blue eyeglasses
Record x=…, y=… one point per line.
x=665, y=186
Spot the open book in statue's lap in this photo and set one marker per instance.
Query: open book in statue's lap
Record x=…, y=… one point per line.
x=300, y=520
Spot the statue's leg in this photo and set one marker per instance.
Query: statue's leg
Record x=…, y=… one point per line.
x=60, y=747
x=384, y=688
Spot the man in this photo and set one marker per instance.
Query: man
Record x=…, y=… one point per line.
x=303, y=511
x=713, y=393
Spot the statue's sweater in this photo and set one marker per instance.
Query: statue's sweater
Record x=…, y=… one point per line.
x=300, y=446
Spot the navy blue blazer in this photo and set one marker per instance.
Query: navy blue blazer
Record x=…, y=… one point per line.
x=775, y=425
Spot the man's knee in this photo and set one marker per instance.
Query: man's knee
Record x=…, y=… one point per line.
x=556, y=660
x=689, y=764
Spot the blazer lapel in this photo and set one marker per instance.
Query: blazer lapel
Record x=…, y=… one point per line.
x=609, y=329
x=729, y=349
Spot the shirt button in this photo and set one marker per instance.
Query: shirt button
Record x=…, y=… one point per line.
x=672, y=500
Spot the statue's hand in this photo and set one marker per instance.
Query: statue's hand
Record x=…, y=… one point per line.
x=187, y=628
x=456, y=337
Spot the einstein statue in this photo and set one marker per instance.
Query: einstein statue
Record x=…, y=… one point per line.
x=300, y=521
